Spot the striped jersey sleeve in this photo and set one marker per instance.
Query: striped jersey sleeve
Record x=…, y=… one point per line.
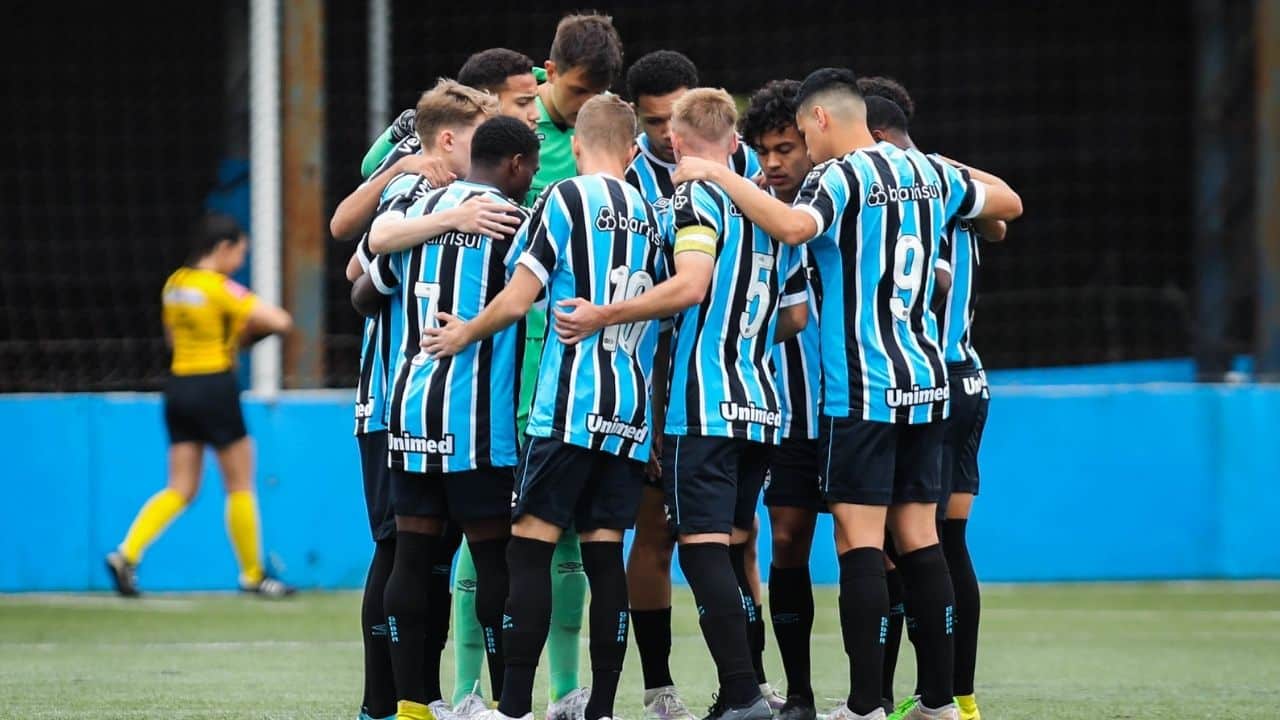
x=827, y=191
x=698, y=220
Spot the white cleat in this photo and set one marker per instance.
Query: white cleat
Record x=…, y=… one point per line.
x=470, y=707
x=950, y=711
x=665, y=703
x=844, y=713
x=572, y=706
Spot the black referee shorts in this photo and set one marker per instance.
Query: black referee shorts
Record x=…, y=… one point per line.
x=377, y=484
x=203, y=409
x=970, y=399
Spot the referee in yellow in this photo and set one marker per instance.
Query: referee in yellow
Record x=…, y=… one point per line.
x=208, y=317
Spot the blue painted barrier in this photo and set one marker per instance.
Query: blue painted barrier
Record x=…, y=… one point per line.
x=1100, y=482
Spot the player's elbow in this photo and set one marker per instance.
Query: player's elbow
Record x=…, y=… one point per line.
x=340, y=225
x=1009, y=207
x=691, y=292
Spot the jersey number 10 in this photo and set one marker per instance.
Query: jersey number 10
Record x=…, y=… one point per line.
x=626, y=285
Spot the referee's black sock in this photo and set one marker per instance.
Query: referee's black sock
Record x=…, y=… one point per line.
x=968, y=602
x=379, y=685
x=720, y=613
x=931, y=603
x=441, y=600
x=864, y=622
x=527, y=623
x=893, y=640
x=791, y=609
x=755, y=623
x=406, y=603
x=490, y=557
x=607, y=577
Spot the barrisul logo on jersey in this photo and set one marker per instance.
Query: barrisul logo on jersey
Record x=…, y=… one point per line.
x=607, y=221
x=879, y=195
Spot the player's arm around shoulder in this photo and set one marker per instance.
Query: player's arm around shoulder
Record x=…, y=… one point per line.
x=789, y=225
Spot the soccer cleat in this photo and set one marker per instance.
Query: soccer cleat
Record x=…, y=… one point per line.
x=844, y=713
x=664, y=703
x=797, y=707
x=968, y=707
x=470, y=707
x=905, y=706
x=772, y=698
x=920, y=712
x=268, y=587
x=440, y=710
x=124, y=574
x=366, y=716
x=758, y=710
x=573, y=706
x=497, y=715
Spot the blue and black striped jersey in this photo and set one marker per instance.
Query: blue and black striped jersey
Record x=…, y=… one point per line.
x=881, y=213
x=797, y=367
x=594, y=237
x=651, y=175
x=457, y=413
x=960, y=256
x=721, y=384
x=381, y=332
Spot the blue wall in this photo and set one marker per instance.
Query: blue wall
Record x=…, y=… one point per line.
x=1079, y=483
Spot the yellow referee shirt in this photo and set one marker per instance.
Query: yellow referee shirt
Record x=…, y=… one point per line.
x=204, y=312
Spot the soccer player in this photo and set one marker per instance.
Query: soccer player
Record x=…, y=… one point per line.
x=727, y=292
x=382, y=332
x=792, y=494
x=582, y=464
x=875, y=214
x=451, y=434
x=655, y=82
x=959, y=258
x=208, y=317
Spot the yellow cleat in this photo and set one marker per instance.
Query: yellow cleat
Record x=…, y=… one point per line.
x=968, y=707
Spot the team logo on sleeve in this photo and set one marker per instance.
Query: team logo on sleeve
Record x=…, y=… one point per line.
x=680, y=201
x=662, y=204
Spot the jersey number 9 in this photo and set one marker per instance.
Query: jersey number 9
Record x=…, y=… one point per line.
x=908, y=270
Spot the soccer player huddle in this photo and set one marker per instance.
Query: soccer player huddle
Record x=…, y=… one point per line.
x=587, y=314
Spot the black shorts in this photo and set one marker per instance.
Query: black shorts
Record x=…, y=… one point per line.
x=793, y=476
x=203, y=409
x=571, y=486
x=377, y=484
x=969, y=402
x=876, y=463
x=463, y=497
x=711, y=483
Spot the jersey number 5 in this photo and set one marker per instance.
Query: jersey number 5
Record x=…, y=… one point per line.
x=908, y=270
x=626, y=285
x=757, y=295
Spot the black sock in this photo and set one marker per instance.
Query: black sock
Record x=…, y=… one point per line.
x=441, y=601
x=607, y=577
x=379, y=684
x=715, y=589
x=968, y=603
x=893, y=640
x=490, y=558
x=527, y=623
x=406, y=603
x=931, y=603
x=791, y=609
x=864, y=622
x=755, y=623
x=653, y=640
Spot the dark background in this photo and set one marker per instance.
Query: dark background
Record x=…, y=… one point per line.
x=115, y=121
